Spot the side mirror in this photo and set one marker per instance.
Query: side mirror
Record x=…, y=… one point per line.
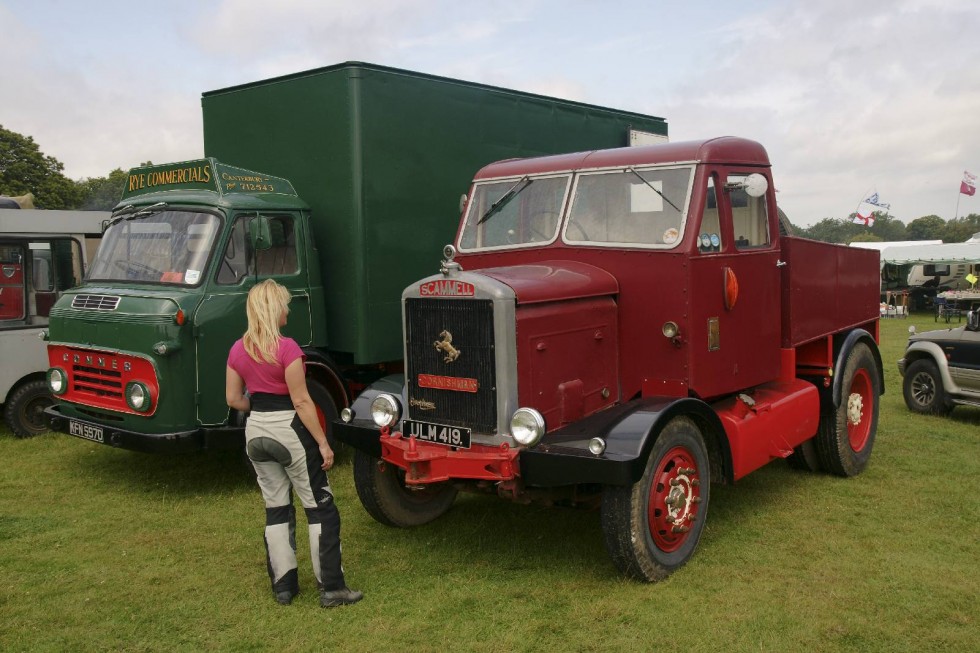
x=756, y=185
x=260, y=233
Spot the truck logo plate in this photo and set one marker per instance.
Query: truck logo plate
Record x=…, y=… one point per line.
x=456, y=383
x=447, y=288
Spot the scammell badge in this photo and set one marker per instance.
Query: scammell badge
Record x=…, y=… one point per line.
x=445, y=345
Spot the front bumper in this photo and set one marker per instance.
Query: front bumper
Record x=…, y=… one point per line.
x=177, y=442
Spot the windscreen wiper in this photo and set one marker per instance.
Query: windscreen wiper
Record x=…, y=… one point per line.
x=127, y=212
x=521, y=184
x=653, y=188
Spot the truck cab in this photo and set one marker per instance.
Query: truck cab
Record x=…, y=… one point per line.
x=623, y=326
x=182, y=249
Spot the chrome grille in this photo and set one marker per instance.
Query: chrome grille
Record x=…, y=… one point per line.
x=95, y=302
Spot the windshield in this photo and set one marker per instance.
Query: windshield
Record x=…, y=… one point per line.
x=164, y=247
x=528, y=213
x=630, y=207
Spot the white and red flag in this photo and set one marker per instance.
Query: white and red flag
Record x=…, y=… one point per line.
x=969, y=184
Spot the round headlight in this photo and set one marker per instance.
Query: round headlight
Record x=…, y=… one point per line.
x=597, y=446
x=57, y=380
x=527, y=426
x=346, y=415
x=138, y=396
x=385, y=410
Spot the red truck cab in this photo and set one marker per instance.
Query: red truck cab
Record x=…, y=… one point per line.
x=625, y=326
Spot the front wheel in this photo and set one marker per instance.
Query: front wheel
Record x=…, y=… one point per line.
x=923, y=388
x=382, y=490
x=24, y=412
x=847, y=432
x=326, y=412
x=652, y=527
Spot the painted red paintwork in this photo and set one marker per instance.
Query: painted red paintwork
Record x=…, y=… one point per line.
x=550, y=281
x=432, y=463
x=105, y=385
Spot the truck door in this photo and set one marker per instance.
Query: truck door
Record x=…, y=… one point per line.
x=221, y=319
x=735, y=296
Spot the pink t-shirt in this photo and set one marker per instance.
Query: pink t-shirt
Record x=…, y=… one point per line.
x=262, y=376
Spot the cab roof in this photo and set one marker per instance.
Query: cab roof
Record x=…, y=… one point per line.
x=725, y=149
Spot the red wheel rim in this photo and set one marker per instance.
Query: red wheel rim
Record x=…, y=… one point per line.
x=675, y=495
x=860, y=409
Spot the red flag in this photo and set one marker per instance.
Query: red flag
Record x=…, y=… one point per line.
x=969, y=184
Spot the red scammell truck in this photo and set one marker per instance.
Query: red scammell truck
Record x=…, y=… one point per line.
x=624, y=327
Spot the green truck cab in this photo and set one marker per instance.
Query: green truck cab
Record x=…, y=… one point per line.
x=362, y=171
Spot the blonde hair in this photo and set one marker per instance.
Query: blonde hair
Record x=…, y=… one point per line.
x=267, y=302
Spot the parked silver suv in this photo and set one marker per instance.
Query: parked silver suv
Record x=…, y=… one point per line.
x=942, y=368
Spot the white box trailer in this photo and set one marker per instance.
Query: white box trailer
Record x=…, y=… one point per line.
x=42, y=254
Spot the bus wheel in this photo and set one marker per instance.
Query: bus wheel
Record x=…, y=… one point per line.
x=652, y=527
x=24, y=412
x=847, y=434
x=382, y=490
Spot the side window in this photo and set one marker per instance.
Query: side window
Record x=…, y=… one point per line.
x=750, y=219
x=709, y=238
x=279, y=259
x=12, y=308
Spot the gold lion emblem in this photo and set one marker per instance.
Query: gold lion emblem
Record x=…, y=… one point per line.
x=445, y=345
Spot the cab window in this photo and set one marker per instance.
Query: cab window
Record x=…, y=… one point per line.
x=709, y=238
x=750, y=218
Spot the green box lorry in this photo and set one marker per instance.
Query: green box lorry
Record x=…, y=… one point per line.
x=363, y=168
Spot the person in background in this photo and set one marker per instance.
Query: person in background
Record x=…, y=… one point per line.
x=287, y=447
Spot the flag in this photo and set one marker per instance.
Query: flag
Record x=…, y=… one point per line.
x=867, y=220
x=969, y=184
x=873, y=200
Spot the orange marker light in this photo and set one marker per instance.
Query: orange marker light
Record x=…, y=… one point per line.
x=731, y=289
x=179, y=317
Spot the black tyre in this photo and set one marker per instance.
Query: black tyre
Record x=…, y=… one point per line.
x=923, y=388
x=805, y=457
x=847, y=432
x=652, y=527
x=381, y=488
x=24, y=412
x=326, y=412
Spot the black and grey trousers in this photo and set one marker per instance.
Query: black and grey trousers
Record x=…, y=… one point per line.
x=286, y=458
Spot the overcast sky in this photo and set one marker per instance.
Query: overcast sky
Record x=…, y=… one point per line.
x=848, y=97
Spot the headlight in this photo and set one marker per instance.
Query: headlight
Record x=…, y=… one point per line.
x=138, y=396
x=527, y=426
x=385, y=410
x=57, y=380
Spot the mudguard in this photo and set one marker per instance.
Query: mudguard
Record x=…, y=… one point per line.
x=361, y=432
x=854, y=337
x=629, y=431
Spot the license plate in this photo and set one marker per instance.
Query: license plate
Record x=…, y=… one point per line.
x=85, y=431
x=451, y=436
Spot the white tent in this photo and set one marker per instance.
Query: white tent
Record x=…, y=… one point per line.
x=968, y=252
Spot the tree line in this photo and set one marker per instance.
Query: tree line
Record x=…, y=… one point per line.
x=25, y=169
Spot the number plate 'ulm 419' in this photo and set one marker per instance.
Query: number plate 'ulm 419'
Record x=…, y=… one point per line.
x=439, y=433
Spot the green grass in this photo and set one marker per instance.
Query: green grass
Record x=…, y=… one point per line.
x=102, y=549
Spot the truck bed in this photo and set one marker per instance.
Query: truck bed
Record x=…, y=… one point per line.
x=826, y=288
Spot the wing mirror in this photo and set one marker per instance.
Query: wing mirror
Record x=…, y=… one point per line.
x=260, y=233
x=754, y=185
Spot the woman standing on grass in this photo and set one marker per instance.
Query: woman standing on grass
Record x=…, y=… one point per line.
x=287, y=447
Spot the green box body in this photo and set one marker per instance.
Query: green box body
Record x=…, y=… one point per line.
x=382, y=157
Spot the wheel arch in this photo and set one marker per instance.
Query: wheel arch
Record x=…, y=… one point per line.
x=846, y=346
x=629, y=431
x=321, y=368
x=926, y=350
x=27, y=378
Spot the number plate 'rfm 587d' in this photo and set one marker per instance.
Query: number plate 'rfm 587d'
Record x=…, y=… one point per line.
x=439, y=433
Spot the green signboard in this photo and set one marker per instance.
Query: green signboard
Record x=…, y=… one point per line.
x=202, y=174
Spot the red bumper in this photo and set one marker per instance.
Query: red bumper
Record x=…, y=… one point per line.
x=425, y=462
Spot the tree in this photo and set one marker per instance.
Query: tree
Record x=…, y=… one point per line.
x=961, y=229
x=103, y=193
x=928, y=227
x=25, y=169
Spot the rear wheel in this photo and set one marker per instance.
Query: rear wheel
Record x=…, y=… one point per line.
x=24, y=412
x=326, y=412
x=805, y=457
x=923, y=388
x=382, y=490
x=847, y=432
x=652, y=527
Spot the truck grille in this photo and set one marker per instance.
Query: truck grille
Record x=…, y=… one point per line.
x=95, y=302
x=469, y=325
x=98, y=379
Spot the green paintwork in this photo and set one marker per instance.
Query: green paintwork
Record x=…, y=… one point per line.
x=382, y=156
x=202, y=175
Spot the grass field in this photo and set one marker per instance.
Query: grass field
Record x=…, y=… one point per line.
x=102, y=549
